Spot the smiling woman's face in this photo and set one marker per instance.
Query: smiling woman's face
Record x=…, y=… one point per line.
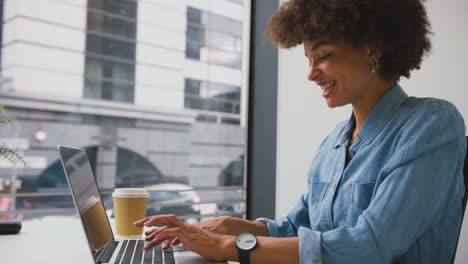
x=341, y=70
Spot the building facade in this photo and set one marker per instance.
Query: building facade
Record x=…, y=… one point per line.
x=154, y=90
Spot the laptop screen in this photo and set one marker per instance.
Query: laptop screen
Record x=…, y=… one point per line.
x=86, y=196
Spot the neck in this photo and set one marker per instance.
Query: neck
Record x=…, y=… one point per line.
x=364, y=106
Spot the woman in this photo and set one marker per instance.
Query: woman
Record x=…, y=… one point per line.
x=386, y=185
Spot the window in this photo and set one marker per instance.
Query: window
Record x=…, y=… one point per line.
x=210, y=96
x=111, y=24
x=213, y=38
x=125, y=8
x=117, y=78
x=110, y=49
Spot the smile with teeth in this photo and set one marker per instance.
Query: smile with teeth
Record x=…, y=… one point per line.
x=328, y=85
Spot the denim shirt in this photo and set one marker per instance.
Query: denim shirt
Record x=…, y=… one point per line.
x=399, y=198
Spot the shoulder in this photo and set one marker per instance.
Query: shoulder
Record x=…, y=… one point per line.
x=425, y=124
x=429, y=106
x=436, y=113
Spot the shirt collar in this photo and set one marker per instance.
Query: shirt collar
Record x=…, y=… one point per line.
x=379, y=116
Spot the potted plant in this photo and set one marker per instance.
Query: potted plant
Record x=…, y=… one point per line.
x=5, y=151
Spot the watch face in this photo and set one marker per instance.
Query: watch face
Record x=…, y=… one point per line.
x=246, y=241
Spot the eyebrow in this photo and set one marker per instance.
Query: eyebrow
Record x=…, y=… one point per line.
x=318, y=45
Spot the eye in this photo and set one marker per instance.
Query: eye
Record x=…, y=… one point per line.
x=325, y=57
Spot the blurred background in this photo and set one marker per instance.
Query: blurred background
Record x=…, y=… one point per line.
x=154, y=90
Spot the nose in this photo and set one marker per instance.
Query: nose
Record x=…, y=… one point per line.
x=313, y=73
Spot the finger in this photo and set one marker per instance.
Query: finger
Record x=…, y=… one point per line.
x=175, y=242
x=149, y=232
x=164, y=235
x=141, y=222
x=167, y=244
x=168, y=220
x=154, y=230
x=152, y=243
x=155, y=233
x=170, y=233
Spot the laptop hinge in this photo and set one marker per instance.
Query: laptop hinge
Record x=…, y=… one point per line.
x=104, y=255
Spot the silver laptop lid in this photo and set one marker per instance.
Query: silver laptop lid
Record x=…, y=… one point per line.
x=86, y=196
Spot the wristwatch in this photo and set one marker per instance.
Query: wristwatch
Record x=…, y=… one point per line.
x=245, y=242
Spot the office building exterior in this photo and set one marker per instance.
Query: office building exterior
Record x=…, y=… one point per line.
x=155, y=90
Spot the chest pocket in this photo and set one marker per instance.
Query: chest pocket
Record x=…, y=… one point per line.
x=358, y=199
x=317, y=191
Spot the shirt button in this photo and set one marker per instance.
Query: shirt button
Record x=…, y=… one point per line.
x=328, y=228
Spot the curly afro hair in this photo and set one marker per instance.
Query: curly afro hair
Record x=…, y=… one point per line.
x=399, y=28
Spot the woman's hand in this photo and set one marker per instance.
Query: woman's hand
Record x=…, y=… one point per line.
x=222, y=225
x=206, y=243
x=225, y=225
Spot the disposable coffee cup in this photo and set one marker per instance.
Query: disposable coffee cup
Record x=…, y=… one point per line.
x=95, y=219
x=129, y=206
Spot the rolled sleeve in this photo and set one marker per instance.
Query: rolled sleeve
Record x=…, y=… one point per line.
x=288, y=226
x=310, y=246
x=271, y=226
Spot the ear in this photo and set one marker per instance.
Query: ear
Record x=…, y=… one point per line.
x=373, y=54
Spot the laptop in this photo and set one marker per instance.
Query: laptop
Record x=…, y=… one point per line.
x=104, y=247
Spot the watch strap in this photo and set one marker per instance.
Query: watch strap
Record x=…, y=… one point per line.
x=244, y=256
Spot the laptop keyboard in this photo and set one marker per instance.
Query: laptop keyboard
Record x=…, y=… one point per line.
x=132, y=252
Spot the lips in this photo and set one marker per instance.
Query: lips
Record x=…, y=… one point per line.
x=327, y=85
x=327, y=88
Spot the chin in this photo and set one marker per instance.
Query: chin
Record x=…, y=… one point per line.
x=334, y=104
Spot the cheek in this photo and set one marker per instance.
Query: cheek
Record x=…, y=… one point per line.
x=329, y=69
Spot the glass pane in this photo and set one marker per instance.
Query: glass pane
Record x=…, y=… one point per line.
x=93, y=89
x=218, y=97
x=222, y=37
x=192, y=87
x=169, y=128
x=109, y=80
x=224, y=42
x=193, y=15
x=110, y=47
x=195, y=34
x=192, y=50
x=228, y=59
x=219, y=90
x=109, y=24
x=119, y=7
x=108, y=90
x=101, y=68
x=223, y=24
x=232, y=121
x=207, y=118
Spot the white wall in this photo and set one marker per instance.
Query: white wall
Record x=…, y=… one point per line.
x=304, y=120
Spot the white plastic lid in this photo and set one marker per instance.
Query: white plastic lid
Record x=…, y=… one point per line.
x=130, y=193
x=88, y=203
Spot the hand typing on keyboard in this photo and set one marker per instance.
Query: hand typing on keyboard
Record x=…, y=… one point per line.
x=207, y=244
